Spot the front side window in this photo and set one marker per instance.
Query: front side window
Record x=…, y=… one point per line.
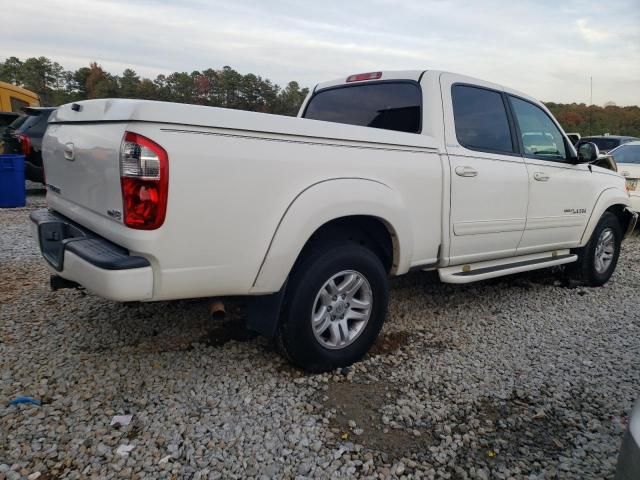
x=388, y=105
x=481, y=119
x=541, y=138
x=627, y=154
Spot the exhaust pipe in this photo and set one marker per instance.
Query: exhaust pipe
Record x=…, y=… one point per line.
x=216, y=309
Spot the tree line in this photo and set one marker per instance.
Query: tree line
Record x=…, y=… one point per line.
x=596, y=120
x=228, y=88
x=218, y=88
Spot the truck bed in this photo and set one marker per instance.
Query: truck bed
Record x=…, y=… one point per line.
x=233, y=176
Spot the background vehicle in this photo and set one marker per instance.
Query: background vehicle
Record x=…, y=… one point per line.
x=606, y=142
x=14, y=99
x=629, y=458
x=384, y=172
x=25, y=136
x=6, y=119
x=574, y=137
x=627, y=157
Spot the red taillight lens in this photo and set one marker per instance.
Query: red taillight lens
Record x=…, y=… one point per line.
x=364, y=76
x=144, y=177
x=25, y=144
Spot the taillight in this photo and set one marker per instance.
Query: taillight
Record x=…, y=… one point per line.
x=364, y=76
x=25, y=144
x=144, y=177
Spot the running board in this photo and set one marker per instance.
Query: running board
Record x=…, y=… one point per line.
x=474, y=272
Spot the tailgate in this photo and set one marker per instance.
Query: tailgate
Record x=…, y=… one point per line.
x=81, y=163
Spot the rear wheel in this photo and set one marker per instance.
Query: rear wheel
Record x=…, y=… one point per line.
x=597, y=260
x=334, y=308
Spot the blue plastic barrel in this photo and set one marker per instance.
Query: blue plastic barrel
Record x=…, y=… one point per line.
x=12, y=188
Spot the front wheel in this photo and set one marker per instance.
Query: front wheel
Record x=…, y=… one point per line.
x=597, y=260
x=334, y=308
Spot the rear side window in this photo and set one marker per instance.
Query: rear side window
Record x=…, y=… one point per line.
x=481, y=119
x=17, y=104
x=389, y=105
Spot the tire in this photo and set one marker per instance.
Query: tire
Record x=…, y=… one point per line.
x=362, y=275
x=587, y=269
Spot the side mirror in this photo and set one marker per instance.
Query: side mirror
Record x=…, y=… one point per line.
x=588, y=152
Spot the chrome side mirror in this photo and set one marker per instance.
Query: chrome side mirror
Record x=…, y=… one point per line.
x=588, y=152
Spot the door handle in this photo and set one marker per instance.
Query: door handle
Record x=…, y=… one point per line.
x=466, y=171
x=541, y=176
x=624, y=173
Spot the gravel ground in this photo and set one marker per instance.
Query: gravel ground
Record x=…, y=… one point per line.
x=513, y=378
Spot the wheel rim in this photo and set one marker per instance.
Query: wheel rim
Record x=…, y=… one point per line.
x=341, y=309
x=605, y=248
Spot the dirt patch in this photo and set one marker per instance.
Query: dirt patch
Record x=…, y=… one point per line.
x=362, y=403
x=18, y=278
x=513, y=428
x=389, y=342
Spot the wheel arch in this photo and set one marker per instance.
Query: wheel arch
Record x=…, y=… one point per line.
x=348, y=205
x=613, y=200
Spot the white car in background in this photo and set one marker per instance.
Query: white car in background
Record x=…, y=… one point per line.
x=627, y=157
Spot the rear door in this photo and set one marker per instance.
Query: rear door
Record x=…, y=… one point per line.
x=489, y=183
x=561, y=194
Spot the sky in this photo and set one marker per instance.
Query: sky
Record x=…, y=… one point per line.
x=548, y=49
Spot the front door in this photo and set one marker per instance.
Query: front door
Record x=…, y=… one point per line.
x=489, y=183
x=561, y=194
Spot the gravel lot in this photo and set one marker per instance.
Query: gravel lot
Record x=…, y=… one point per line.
x=514, y=378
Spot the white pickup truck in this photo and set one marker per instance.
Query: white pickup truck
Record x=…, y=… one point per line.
x=381, y=173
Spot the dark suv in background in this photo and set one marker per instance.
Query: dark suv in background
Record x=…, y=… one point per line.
x=24, y=136
x=606, y=142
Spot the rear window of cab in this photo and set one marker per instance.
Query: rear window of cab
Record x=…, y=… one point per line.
x=388, y=105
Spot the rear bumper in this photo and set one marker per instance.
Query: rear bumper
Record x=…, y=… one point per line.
x=77, y=254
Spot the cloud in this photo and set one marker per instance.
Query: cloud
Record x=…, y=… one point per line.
x=541, y=47
x=590, y=34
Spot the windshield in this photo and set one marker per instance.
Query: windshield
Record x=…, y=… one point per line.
x=387, y=105
x=627, y=154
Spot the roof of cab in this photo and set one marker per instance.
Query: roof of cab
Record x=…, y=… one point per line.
x=386, y=75
x=416, y=75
